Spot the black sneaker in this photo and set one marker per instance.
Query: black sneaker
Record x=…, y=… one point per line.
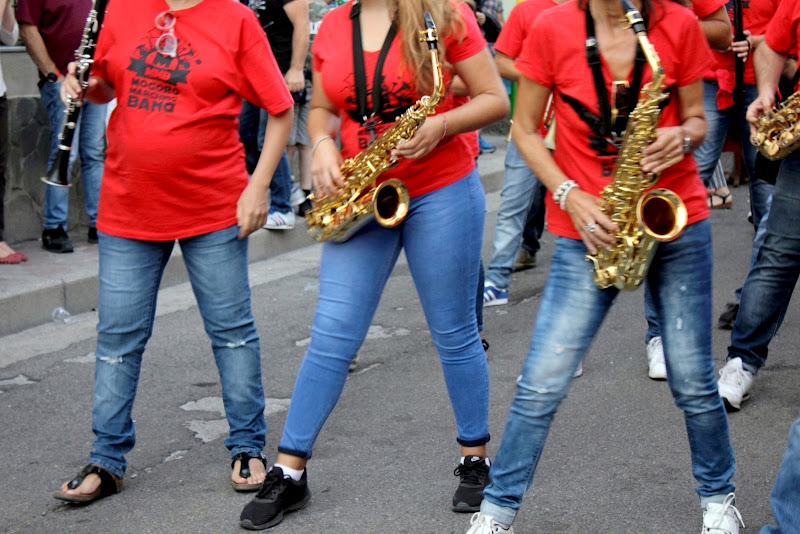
x=92, y=234
x=303, y=207
x=474, y=474
x=277, y=495
x=56, y=240
x=728, y=317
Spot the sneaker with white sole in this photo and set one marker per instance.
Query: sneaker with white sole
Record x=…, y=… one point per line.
x=493, y=295
x=722, y=518
x=656, y=366
x=734, y=384
x=280, y=221
x=485, y=524
x=298, y=196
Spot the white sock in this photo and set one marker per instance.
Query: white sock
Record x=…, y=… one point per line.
x=296, y=474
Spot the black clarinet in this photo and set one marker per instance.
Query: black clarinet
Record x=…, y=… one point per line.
x=58, y=173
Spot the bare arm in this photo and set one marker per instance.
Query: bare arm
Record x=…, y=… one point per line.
x=583, y=208
x=488, y=103
x=768, y=65
x=505, y=66
x=717, y=29
x=667, y=149
x=36, y=49
x=297, y=11
x=9, y=22
x=322, y=124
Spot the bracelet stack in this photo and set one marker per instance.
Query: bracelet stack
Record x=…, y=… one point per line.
x=560, y=195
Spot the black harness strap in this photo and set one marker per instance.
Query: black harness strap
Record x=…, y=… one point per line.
x=360, y=71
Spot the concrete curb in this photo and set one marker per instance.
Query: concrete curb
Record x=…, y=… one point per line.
x=29, y=292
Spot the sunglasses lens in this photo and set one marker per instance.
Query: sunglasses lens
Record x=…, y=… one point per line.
x=167, y=44
x=165, y=20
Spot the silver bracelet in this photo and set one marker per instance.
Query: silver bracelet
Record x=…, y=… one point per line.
x=321, y=139
x=560, y=193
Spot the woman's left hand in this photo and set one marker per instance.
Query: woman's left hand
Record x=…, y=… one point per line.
x=665, y=151
x=251, y=210
x=425, y=140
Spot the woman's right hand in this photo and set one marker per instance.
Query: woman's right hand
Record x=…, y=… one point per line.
x=325, y=173
x=592, y=224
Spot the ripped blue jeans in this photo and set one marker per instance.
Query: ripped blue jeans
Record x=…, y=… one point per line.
x=570, y=314
x=130, y=275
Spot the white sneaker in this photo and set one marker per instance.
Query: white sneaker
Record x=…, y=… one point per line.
x=280, y=221
x=578, y=371
x=722, y=518
x=298, y=196
x=485, y=524
x=734, y=384
x=657, y=367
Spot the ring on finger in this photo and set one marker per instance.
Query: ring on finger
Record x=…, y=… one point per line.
x=591, y=227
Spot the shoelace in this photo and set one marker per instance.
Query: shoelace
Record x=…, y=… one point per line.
x=728, y=505
x=471, y=472
x=493, y=528
x=732, y=374
x=273, y=485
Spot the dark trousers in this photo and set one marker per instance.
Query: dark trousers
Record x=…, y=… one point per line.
x=3, y=157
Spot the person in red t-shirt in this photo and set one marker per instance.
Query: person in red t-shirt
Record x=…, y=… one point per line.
x=772, y=278
x=577, y=53
x=441, y=235
x=175, y=171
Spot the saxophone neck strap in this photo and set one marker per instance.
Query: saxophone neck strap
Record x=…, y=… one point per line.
x=611, y=120
x=360, y=72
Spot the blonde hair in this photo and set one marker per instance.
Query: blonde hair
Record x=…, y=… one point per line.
x=410, y=18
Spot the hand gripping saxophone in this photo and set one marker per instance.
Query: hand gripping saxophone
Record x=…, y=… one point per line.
x=643, y=219
x=337, y=218
x=58, y=173
x=778, y=130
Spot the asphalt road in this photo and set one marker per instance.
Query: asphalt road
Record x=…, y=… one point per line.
x=616, y=461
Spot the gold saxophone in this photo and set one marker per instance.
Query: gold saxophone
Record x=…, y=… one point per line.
x=643, y=219
x=337, y=218
x=778, y=130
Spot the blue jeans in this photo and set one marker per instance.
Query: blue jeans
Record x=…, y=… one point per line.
x=718, y=121
x=89, y=142
x=785, y=497
x=570, y=314
x=252, y=128
x=130, y=274
x=441, y=237
x=519, y=186
x=769, y=285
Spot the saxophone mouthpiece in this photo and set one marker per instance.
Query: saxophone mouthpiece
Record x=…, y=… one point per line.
x=429, y=34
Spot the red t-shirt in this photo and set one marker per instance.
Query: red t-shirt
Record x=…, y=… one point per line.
x=333, y=59
x=174, y=165
x=555, y=56
x=519, y=23
x=60, y=23
x=756, y=15
x=783, y=32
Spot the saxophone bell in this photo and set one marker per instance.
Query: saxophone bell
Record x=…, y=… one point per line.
x=662, y=214
x=391, y=203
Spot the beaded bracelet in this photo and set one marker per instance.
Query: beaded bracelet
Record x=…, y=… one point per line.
x=563, y=200
x=321, y=139
x=561, y=193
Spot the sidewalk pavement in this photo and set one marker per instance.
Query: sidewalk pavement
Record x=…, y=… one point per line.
x=31, y=291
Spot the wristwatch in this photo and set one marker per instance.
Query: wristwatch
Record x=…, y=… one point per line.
x=52, y=77
x=687, y=144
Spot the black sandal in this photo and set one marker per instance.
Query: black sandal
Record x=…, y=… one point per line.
x=244, y=471
x=109, y=485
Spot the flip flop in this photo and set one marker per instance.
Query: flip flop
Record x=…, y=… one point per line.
x=109, y=485
x=11, y=259
x=244, y=471
x=725, y=201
